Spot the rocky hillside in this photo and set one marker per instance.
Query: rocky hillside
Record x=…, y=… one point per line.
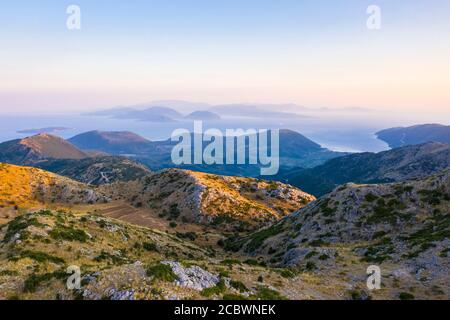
x=228, y=202
x=399, y=137
x=120, y=261
x=97, y=170
x=403, y=227
x=32, y=149
x=29, y=187
x=389, y=166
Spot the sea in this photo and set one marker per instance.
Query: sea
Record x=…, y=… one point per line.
x=338, y=133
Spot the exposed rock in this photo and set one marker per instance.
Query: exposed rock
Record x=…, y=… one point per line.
x=193, y=277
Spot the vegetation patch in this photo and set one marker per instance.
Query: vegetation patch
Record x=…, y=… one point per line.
x=161, y=272
x=18, y=225
x=260, y=237
x=267, y=294
x=37, y=256
x=34, y=280
x=238, y=286
x=218, y=289
x=68, y=234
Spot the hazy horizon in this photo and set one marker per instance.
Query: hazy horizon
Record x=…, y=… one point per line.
x=312, y=53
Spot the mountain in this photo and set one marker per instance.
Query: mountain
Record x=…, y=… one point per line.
x=389, y=166
x=203, y=115
x=61, y=157
x=122, y=142
x=29, y=187
x=399, y=137
x=227, y=202
x=35, y=148
x=400, y=227
x=295, y=151
x=96, y=170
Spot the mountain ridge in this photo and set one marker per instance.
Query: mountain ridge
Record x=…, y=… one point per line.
x=388, y=166
x=418, y=134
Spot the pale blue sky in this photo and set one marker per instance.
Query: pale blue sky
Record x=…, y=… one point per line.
x=315, y=53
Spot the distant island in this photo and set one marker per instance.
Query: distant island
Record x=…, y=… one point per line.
x=43, y=130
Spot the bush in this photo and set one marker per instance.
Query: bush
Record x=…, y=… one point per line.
x=310, y=266
x=405, y=296
x=286, y=273
x=233, y=297
x=238, y=286
x=370, y=197
x=187, y=235
x=324, y=257
x=149, y=246
x=218, y=289
x=230, y=262
x=260, y=237
x=34, y=280
x=252, y=262
x=69, y=234
x=161, y=272
x=19, y=224
x=268, y=294
x=37, y=256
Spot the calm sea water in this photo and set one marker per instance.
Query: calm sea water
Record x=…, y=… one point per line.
x=336, y=133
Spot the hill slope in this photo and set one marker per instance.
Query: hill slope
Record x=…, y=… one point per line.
x=226, y=202
x=123, y=142
x=403, y=227
x=28, y=187
x=56, y=155
x=399, y=137
x=389, y=166
x=35, y=148
x=96, y=170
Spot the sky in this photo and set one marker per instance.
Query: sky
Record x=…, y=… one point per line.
x=316, y=53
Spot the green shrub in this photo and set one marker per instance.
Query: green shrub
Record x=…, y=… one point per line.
x=267, y=294
x=161, y=272
x=311, y=254
x=252, y=262
x=230, y=262
x=37, y=256
x=233, y=297
x=19, y=224
x=68, y=234
x=34, y=280
x=150, y=246
x=238, y=286
x=370, y=197
x=260, y=237
x=405, y=296
x=286, y=273
x=310, y=266
x=216, y=290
